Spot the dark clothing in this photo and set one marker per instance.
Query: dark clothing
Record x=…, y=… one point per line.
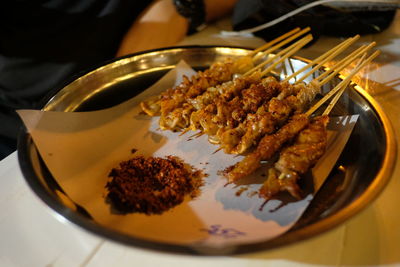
x=323, y=20
x=43, y=42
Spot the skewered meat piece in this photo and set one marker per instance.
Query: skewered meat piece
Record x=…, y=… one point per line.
x=274, y=184
x=266, y=120
x=243, y=109
x=244, y=135
x=265, y=123
x=309, y=146
x=224, y=93
x=174, y=97
x=214, y=116
x=267, y=147
x=268, y=117
x=218, y=73
x=180, y=117
x=306, y=95
x=295, y=160
x=246, y=104
x=259, y=123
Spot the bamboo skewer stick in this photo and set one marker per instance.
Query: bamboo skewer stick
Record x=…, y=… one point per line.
x=319, y=61
x=184, y=131
x=344, y=63
x=340, y=63
x=290, y=66
x=293, y=46
x=336, y=98
x=340, y=47
x=302, y=43
x=341, y=91
x=282, y=43
x=329, y=57
x=271, y=43
x=218, y=149
x=342, y=83
x=196, y=135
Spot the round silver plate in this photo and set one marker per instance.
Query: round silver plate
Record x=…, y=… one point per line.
x=360, y=174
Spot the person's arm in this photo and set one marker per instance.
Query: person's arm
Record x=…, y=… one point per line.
x=160, y=25
x=216, y=9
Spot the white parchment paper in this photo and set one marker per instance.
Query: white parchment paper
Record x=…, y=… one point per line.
x=80, y=149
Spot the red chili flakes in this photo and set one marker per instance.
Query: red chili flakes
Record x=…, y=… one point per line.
x=152, y=185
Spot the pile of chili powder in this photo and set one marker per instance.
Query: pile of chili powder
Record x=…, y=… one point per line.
x=151, y=185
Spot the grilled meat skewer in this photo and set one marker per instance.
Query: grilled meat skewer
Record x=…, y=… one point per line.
x=296, y=159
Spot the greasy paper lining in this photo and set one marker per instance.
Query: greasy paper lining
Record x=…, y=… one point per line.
x=80, y=149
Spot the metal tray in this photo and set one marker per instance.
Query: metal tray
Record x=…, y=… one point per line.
x=360, y=174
